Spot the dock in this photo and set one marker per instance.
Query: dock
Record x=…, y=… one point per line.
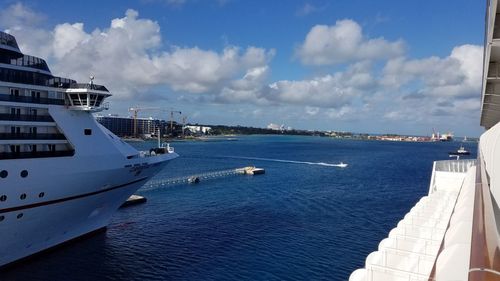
x=195, y=179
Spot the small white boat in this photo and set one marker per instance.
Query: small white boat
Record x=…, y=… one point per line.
x=342, y=165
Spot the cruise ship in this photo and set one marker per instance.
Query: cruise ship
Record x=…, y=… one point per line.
x=453, y=233
x=62, y=175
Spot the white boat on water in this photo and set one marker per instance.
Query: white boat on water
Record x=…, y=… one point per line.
x=341, y=165
x=62, y=175
x=452, y=233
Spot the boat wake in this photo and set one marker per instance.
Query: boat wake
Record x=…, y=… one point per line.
x=340, y=165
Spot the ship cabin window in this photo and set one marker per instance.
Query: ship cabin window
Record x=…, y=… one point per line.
x=35, y=94
x=14, y=92
x=33, y=148
x=33, y=130
x=4, y=174
x=15, y=130
x=3, y=198
x=52, y=147
x=15, y=111
x=15, y=148
x=24, y=173
x=86, y=99
x=87, y=132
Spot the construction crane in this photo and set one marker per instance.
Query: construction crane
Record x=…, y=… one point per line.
x=135, y=110
x=184, y=118
x=172, y=121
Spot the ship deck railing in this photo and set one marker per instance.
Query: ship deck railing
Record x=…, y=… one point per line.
x=36, y=154
x=31, y=136
x=24, y=117
x=28, y=99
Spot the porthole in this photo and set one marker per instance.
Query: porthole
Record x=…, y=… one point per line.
x=3, y=198
x=24, y=173
x=42, y=194
x=23, y=196
x=4, y=174
x=20, y=215
x=2, y=218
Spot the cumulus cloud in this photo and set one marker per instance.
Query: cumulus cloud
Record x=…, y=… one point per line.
x=126, y=56
x=344, y=42
x=130, y=58
x=248, y=89
x=332, y=90
x=17, y=15
x=458, y=75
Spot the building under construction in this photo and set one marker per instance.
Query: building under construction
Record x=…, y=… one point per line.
x=146, y=127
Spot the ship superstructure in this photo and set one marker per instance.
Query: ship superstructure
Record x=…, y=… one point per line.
x=62, y=174
x=453, y=233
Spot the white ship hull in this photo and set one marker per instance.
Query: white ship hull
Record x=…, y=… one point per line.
x=73, y=204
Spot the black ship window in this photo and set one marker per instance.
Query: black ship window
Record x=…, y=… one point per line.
x=20, y=215
x=15, y=111
x=23, y=196
x=87, y=132
x=3, y=198
x=4, y=174
x=52, y=147
x=24, y=173
x=15, y=148
x=42, y=194
x=14, y=92
x=2, y=218
x=35, y=94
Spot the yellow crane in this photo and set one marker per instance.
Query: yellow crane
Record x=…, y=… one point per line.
x=135, y=111
x=172, y=121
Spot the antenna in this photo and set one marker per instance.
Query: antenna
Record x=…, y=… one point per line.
x=91, y=83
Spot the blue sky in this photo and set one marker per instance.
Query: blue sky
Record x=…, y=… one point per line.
x=365, y=66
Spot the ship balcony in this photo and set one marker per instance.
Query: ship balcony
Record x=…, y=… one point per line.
x=31, y=136
x=28, y=99
x=26, y=118
x=35, y=154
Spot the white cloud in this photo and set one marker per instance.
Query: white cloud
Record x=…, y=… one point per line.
x=332, y=91
x=67, y=37
x=18, y=15
x=129, y=57
x=458, y=75
x=344, y=42
x=312, y=111
x=345, y=112
x=307, y=9
x=126, y=57
x=248, y=89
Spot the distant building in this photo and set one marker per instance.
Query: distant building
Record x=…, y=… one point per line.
x=277, y=127
x=198, y=129
x=124, y=126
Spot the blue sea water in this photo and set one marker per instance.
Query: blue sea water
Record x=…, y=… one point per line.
x=299, y=221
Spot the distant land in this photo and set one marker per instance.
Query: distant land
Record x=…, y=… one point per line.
x=218, y=130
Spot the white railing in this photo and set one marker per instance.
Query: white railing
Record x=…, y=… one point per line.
x=455, y=166
x=450, y=166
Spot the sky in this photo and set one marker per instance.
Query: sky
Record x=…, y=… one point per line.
x=404, y=67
